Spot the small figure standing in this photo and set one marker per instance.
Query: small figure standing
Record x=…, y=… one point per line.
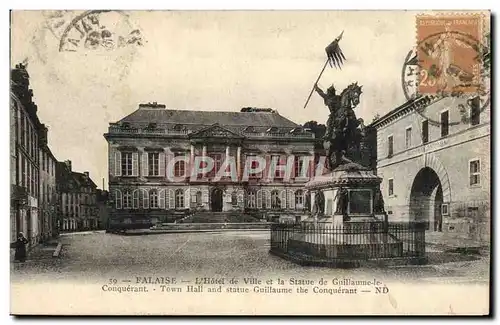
x=20, y=246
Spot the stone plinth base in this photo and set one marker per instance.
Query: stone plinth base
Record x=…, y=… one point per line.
x=346, y=246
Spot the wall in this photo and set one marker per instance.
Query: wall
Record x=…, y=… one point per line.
x=449, y=157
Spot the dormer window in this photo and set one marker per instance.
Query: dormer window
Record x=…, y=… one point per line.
x=272, y=129
x=297, y=130
x=152, y=126
x=125, y=125
x=250, y=129
x=179, y=127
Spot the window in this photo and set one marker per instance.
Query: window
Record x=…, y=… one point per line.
x=445, y=127
x=127, y=199
x=276, y=163
x=275, y=200
x=425, y=131
x=198, y=197
x=234, y=198
x=408, y=138
x=390, y=147
x=254, y=165
x=475, y=110
x=474, y=172
x=29, y=178
x=252, y=202
x=23, y=129
x=391, y=187
x=472, y=212
x=179, y=199
x=217, y=158
x=180, y=166
x=126, y=165
x=153, y=199
x=444, y=209
x=298, y=165
x=266, y=199
x=23, y=171
x=153, y=164
x=299, y=198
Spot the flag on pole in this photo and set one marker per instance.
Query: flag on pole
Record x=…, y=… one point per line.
x=334, y=53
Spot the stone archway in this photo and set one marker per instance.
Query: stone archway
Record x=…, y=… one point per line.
x=426, y=198
x=216, y=200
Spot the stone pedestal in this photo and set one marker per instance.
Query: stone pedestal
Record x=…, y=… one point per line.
x=347, y=219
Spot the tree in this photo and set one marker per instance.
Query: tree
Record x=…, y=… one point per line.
x=319, y=131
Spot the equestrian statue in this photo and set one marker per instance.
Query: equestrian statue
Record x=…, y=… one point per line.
x=342, y=126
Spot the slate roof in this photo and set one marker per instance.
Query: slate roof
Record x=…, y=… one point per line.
x=65, y=177
x=196, y=120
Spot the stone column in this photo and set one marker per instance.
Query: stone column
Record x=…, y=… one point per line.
x=312, y=167
x=238, y=162
x=227, y=153
x=191, y=157
x=203, y=155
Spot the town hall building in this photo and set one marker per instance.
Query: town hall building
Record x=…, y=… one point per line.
x=152, y=153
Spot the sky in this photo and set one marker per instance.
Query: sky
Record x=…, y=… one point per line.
x=204, y=60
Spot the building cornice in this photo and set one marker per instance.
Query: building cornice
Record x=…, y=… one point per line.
x=405, y=109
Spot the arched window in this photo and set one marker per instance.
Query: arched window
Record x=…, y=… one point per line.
x=179, y=199
x=153, y=199
x=198, y=197
x=299, y=199
x=180, y=166
x=266, y=200
x=127, y=199
x=275, y=200
x=252, y=202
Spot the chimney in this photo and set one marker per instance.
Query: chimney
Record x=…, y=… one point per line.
x=86, y=174
x=68, y=164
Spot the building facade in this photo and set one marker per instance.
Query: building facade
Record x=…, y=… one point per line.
x=154, y=153
x=103, y=207
x=434, y=157
x=24, y=158
x=77, y=192
x=48, y=189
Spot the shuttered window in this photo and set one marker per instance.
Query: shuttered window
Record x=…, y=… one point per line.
x=126, y=164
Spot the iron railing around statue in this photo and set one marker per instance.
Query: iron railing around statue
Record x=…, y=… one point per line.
x=351, y=244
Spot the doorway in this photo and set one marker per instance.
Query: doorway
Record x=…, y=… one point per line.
x=216, y=200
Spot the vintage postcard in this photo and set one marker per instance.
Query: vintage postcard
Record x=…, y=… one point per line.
x=250, y=162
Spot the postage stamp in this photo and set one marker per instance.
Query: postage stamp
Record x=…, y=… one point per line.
x=449, y=53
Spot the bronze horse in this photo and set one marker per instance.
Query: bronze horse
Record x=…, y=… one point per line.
x=342, y=123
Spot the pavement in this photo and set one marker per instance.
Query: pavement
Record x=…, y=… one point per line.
x=98, y=256
x=453, y=242
x=435, y=242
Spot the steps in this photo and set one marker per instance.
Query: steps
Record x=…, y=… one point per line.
x=218, y=217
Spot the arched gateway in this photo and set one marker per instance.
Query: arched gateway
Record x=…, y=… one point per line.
x=426, y=199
